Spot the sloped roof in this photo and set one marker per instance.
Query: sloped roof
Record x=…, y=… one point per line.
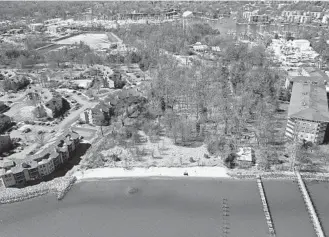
x=309, y=101
x=187, y=14
x=302, y=79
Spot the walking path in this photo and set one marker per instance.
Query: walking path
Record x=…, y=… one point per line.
x=267, y=213
x=310, y=208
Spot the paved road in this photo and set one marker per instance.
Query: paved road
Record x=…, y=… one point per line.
x=161, y=208
x=73, y=116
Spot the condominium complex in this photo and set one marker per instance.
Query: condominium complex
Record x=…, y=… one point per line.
x=308, y=114
x=40, y=165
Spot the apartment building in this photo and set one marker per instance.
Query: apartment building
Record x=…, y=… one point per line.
x=41, y=164
x=308, y=114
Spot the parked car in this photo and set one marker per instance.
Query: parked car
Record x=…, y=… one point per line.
x=27, y=130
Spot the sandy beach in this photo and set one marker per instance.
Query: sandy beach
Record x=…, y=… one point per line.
x=214, y=172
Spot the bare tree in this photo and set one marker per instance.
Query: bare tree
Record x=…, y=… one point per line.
x=40, y=138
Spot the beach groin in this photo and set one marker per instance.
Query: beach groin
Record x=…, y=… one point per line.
x=266, y=209
x=59, y=187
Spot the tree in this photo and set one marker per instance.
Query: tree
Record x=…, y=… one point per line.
x=55, y=58
x=40, y=138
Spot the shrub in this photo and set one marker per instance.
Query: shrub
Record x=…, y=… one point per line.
x=115, y=158
x=213, y=147
x=230, y=161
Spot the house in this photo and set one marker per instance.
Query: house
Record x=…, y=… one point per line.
x=259, y=18
x=199, y=47
x=5, y=143
x=308, y=114
x=245, y=157
x=36, y=27
x=5, y=122
x=98, y=115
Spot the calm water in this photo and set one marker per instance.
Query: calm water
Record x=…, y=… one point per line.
x=288, y=210
x=161, y=208
x=320, y=197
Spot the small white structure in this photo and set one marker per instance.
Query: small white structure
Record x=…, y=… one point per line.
x=302, y=44
x=245, y=157
x=187, y=14
x=199, y=47
x=36, y=26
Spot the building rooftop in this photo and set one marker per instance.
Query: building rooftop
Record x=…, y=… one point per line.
x=5, y=163
x=245, y=154
x=309, y=100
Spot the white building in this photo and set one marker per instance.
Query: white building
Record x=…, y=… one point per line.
x=36, y=26
x=46, y=166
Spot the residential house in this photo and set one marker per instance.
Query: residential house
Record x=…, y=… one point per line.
x=98, y=115
x=259, y=18
x=36, y=27
x=199, y=47
x=5, y=143
x=305, y=19
x=308, y=114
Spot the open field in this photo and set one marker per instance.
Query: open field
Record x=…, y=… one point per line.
x=319, y=193
x=95, y=41
x=160, y=208
x=288, y=210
